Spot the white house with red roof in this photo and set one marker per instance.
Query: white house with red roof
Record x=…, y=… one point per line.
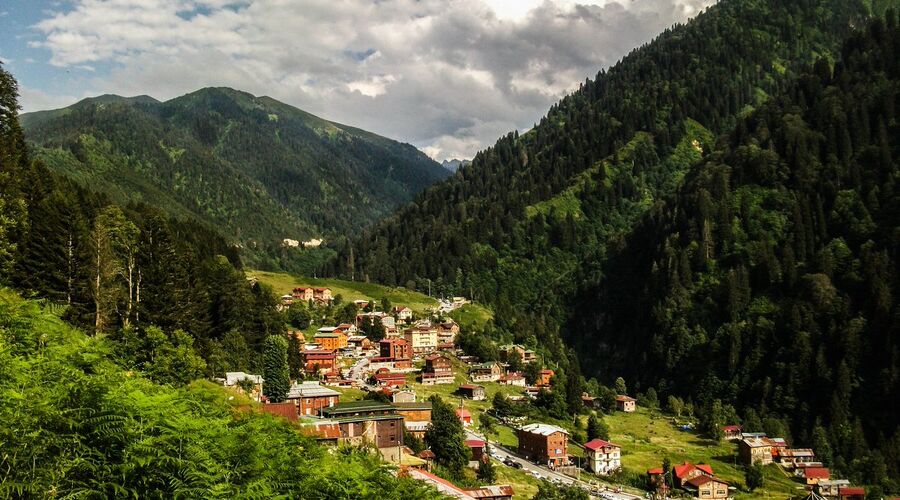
x=687, y=471
x=603, y=456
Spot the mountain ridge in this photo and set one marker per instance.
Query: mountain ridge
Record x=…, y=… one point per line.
x=258, y=169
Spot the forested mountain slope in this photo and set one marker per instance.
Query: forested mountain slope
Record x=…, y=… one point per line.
x=124, y=268
x=555, y=227
x=530, y=218
x=770, y=281
x=256, y=169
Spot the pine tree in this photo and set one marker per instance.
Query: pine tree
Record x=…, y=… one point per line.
x=276, y=380
x=446, y=437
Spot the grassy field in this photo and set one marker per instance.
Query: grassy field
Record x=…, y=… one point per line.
x=647, y=437
x=472, y=316
x=284, y=283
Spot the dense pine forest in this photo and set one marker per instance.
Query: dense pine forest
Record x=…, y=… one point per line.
x=770, y=281
x=257, y=170
x=121, y=268
x=622, y=228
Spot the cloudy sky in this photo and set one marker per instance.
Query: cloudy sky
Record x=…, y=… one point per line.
x=449, y=76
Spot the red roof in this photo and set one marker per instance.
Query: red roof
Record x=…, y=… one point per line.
x=655, y=472
x=851, y=490
x=731, y=428
x=470, y=387
x=427, y=454
x=475, y=443
x=684, y=468
x=462, y=412
x=701, y=480
x=597, y=444
x=624, y=398
x=817, y=473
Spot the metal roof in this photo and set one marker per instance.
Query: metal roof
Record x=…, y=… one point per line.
x=543, y=429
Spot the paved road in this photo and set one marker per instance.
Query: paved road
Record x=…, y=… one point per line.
x=502, y=454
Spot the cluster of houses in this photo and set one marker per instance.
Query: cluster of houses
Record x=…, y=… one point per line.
x=698, y=480
x=757, y=448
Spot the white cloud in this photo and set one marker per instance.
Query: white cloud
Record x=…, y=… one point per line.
x=449, y=76
x=35, y=100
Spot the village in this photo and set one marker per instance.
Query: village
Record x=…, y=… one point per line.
x=374, y=392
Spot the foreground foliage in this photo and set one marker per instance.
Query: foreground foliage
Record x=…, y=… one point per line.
x=77, y=425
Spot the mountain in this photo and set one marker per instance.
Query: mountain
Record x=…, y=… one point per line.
x=551, y=228
x=454, y=164
x=770, y=281
x=257, y=169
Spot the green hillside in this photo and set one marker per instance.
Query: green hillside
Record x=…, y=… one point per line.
x=256, y=169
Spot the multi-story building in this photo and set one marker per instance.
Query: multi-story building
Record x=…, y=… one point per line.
x=422, y=339
x=545, y=444
x=486, y=372
x=603, y=457
x=754, y=450
x=318, y=360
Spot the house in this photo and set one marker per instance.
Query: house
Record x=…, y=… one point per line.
x=309, y=397
x=830, y=488
x=510, y=351
x=471, y=391
x=486, y=372
x=545, y=377
x=447, y=331
x=415, y=411
x=322, y=295
x=303, y=293
x=330, y=338
x=422, y=339
x=437, y=370
x=603, y=457
x=493, y=492
x=753, y=450
x=251, y=385
x=416, y=417
x=394, y=349
x=852, y=493
x=815, y=474
x=405, y=396
x=544, y=444
x=732, y=432
x=790, y=457
x=777, y=444
x=359, y=422
x=359, y=342
x=348, y=328
x=465, y=416
x=626, y=404
x=361, y=303
x=403, y=313
x=589, y=401
x=686, y=471
x=707, y=487
x=390, y=379
x=478, y=449
x=655, y=476
x=513, y=378
x=318, y=360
